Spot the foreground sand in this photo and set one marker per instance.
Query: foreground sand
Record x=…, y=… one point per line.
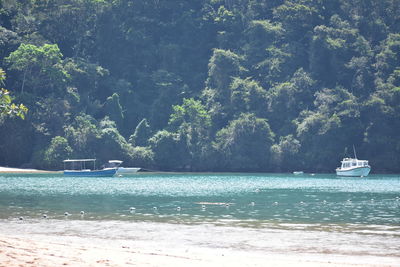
x=27, y=251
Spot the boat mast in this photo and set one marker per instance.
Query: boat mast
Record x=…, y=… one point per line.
x=354, y=150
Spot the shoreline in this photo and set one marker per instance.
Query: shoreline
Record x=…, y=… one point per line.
x=146, y=171
x=27, y=171
x=50, y=243
x=36, y=251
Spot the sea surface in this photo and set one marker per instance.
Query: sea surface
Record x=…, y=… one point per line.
x=274, y=213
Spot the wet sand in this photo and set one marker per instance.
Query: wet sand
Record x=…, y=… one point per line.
x=33, y=251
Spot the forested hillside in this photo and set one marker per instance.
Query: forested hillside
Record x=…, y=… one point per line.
x=205, y=85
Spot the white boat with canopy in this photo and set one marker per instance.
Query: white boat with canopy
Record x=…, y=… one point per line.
x=353, y=167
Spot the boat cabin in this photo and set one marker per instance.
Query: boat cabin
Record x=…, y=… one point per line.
x=352, y=163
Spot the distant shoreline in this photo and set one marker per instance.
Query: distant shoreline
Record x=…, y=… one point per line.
x=27, y=171
x=19, y=170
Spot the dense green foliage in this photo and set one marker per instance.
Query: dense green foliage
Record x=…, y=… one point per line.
x=7, y=107
x=209, y=85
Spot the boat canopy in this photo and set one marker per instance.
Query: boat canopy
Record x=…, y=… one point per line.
x=115, y=161
x=78, y=160
x=79, y=164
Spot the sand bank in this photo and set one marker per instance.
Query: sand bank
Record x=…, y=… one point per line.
x=33, y=251
x=18, y=170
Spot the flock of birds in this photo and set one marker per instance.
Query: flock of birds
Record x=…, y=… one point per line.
x=203, y=207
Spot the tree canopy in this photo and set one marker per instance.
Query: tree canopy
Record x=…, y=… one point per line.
x=208, y=85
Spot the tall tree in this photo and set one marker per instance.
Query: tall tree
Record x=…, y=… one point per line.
x=244, y=145
x=41, y=68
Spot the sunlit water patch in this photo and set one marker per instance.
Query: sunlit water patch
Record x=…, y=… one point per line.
x=197, y=198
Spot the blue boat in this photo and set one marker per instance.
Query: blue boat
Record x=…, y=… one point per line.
x=78, y=167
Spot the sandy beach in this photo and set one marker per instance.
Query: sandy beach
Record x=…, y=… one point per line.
x=16, y=251
x=100, y=243
x=19, y=170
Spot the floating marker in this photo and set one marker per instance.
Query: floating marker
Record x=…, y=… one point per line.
x=44, y=216
x=252, y=204
x=301, y=203
x=275, y=203
x=154, y=208
x=21, y=218
x=178, y=208
x=82, y=212
x=203, y=207
x=66, y=214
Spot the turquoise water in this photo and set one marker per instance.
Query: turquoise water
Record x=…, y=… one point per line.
x=320, y=216
x=198, y=198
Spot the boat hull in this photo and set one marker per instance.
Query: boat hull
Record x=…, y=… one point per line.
x=354, y=172
x=123, y=170
x=96, y=173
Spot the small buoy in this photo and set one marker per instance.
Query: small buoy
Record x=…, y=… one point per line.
x=227, y=205
x=252, y=204
x=203, y=207
x=301, y=203
x=44, y=216
x=132, y=208
x=154, y=208
x=82, y=212
x=372, y=200
x=66, y=214
x=21, y=218
x=119, y=175
x=178, y=208
x=275, y=203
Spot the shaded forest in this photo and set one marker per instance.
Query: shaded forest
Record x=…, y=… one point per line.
x=207, y=85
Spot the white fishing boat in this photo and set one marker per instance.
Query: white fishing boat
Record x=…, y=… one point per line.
x=353, y=167
x=121, y=170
